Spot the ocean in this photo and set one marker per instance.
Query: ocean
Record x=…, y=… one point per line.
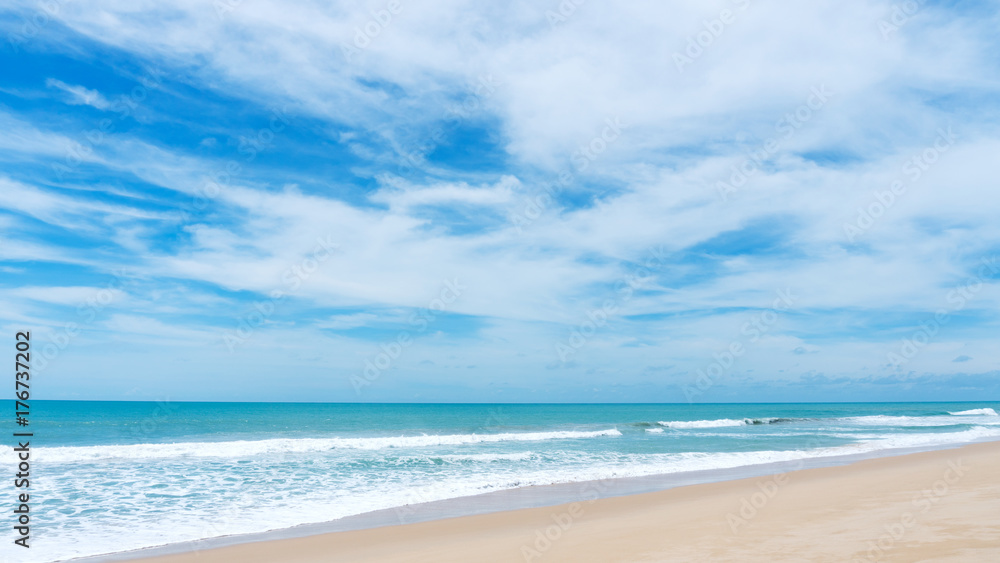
x=114, y=476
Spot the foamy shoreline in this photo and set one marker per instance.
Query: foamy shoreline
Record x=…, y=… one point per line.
x=513, y=501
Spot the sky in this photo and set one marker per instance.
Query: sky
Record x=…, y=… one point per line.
x=691, y=201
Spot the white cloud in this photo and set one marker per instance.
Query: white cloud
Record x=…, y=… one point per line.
x=402, y=197
x=556, y=87
x=344, y=322
x=71, y=212
x=71, y=296
x=78, y=95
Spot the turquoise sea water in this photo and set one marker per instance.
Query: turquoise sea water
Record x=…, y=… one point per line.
x=172, y=472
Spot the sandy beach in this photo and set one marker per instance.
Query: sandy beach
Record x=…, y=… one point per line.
x=931, y=506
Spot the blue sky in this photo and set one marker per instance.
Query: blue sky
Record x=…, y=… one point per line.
x=525, y=201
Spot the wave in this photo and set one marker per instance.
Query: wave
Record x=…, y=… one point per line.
x=721, y=423
x=771, y=420
x=247, y=448
x=927, y=440
x=654, y=430
x=983, y=412
x=894, y=420
x=683, y=424
x=479, y=458
x=327, y=497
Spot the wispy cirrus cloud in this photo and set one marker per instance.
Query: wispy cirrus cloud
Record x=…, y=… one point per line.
x=78, y=95
x=415, y=155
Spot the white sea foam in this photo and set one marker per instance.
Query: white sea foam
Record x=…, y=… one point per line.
x=459, y=458
x=895, y=441
x=870, y=420
x=654, y=430
x=983, y=412
x=258, y=499
x=246, y=448
x=719, y=423
x=890, y=420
